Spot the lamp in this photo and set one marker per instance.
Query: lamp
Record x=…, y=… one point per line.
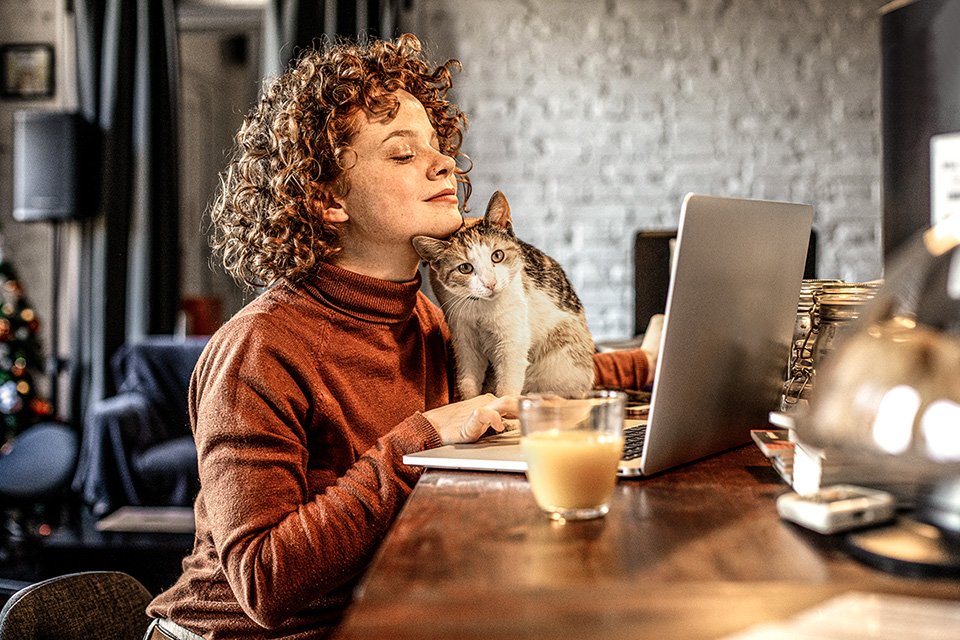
x=890, y=397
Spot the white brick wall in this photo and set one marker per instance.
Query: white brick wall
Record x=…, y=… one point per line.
x=595, y=118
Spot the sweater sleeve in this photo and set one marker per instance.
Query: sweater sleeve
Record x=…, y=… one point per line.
x=626, y=369
x=283, y=544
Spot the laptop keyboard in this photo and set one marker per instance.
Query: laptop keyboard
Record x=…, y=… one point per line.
x=638, y=407
x=633, y=438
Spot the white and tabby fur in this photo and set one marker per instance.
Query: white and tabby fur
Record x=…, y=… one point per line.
x=513, y=314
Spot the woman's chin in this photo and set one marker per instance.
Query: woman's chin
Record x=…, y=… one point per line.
x=446, y=225
x=454, y=220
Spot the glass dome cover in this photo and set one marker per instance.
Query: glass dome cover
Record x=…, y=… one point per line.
x=890, y=392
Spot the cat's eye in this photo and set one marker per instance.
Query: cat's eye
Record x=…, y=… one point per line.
x=465, y=268
x=497, y=256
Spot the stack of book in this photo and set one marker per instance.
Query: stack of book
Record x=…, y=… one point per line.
x=777, y=446
x=807, y=468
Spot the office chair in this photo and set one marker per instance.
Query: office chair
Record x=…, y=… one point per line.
x=35, y=470
x=108, y=605
x=40, y=462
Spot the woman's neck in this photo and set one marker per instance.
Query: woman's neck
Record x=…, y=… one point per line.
x=393, y=268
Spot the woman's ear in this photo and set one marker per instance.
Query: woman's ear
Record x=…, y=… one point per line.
x=331, y=210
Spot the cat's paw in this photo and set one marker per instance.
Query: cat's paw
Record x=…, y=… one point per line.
x=508, y=390
x=469, y=388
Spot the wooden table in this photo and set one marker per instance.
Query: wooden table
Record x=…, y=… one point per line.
x=698, y=552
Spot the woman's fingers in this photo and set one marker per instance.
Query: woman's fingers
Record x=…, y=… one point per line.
x=479, y=421
x=468, y=420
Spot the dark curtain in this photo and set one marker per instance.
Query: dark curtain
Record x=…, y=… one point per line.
x=128, y=280
x=920, y=98
x=292, y=25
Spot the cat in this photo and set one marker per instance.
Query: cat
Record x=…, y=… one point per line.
x=511, y=310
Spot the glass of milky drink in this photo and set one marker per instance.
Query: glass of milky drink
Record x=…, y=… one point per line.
x=572, y=446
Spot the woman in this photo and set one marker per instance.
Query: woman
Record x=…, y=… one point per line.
x=304, y=403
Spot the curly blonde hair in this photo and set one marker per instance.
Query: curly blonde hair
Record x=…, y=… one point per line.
x=266, y=217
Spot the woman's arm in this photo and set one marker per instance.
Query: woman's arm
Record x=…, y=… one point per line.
x=631, y=368
x=294, y=510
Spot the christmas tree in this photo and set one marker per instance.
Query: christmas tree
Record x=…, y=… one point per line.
x=21, y=360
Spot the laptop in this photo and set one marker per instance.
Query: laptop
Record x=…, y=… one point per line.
x=730, y=312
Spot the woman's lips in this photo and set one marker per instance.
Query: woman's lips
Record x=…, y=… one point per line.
x=446, y=196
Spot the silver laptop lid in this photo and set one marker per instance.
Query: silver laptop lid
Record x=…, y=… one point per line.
x=730, y=311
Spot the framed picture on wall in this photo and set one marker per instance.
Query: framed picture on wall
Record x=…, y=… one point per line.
x=26, y=71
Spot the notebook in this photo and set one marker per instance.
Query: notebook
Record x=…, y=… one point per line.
x=731, y=307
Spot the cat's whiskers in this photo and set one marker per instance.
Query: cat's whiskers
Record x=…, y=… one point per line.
x=455, y=305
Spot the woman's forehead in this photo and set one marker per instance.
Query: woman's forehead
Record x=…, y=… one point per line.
x=410, y=117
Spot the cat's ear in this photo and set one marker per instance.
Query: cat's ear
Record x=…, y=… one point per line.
x=429, y=248
x=498, y=212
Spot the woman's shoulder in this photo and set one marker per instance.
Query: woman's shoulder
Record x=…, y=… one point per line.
x=275, y=324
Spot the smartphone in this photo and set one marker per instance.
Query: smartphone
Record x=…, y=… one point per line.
x=837, y=508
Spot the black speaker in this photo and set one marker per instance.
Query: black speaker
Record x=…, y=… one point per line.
x=47, y=180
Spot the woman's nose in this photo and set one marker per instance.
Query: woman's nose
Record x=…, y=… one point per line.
x=442, y=166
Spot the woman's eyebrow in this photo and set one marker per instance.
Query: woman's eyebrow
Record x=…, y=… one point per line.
x=408, y=133
x=400, y=133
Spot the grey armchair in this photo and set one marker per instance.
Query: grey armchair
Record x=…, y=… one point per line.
x=137, y=446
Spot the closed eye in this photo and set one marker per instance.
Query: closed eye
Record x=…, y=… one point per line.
x=465, y=268
x=497, y=256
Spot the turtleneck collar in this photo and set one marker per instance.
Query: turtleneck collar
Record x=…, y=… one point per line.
x=363, y=297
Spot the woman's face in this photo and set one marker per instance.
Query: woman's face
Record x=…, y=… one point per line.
x=400, y=186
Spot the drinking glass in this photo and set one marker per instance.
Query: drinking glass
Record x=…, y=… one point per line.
x=572, y=446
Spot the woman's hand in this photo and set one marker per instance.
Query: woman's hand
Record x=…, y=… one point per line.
x=467, y=420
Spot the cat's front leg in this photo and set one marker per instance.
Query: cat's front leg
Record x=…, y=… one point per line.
x=471, y=368
x=510, y=363
x=510, y=380
x=511, y=352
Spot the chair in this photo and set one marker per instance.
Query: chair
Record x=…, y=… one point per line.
x=137, y=446
x=652, y=253
x=35, y=469
x=38, y=463
x=108, y=605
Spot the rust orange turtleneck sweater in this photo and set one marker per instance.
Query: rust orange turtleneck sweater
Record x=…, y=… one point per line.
x=302, y=407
